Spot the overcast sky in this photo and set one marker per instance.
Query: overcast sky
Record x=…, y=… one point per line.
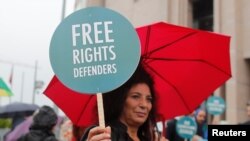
x=26, y=27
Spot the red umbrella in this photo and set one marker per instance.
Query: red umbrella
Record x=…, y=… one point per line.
x=80, y=108
x=187, y=66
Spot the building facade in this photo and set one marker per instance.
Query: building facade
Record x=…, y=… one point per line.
x=228, y=17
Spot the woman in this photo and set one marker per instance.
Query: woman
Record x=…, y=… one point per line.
x=129, y=111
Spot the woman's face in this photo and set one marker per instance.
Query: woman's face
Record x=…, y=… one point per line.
x=201, y=116
x=137, y=105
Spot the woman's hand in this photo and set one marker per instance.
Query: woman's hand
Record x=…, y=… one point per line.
x=99, y=134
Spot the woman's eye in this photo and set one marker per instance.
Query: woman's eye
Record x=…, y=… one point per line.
x=150, y=99
x=135, y=96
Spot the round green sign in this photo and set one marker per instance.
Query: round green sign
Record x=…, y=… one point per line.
x=186, y=127
x=215, y=105
x=94, y=50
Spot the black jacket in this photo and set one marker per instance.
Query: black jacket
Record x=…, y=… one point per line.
x=118, y=132
x=38, y=135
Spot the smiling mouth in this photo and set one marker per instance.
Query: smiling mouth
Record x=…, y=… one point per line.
x=141, y=114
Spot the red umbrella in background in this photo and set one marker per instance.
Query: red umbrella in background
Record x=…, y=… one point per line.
x=186, y=64
x=80, y=108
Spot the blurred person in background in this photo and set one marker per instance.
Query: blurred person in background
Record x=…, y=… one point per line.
x=248, y=114
x=200, y=118
x=77, y=132
x=66, y=130
x=70, y=132
x=42, y=126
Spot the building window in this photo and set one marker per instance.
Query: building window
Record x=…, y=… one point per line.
x=203, y=14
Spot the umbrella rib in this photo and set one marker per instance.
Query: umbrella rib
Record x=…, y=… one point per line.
x=147, y=40
x=216, y=67
x=194, y=60
x=84, y=109
x=169, y=44
x=182, y=99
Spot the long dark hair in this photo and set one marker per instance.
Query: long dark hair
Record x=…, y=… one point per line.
x=114, y=101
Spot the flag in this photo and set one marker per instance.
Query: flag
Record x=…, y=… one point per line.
x=11, y=75
x=4, y=89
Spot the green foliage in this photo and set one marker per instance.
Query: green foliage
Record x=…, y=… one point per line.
x=5, y=123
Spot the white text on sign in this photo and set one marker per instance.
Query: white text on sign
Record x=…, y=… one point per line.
x=87, y=29
x=93, y=49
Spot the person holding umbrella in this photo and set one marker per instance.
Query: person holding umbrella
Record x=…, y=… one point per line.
x=129, y=111
x=165, y=50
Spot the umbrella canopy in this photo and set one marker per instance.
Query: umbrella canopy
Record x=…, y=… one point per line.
x=187, y=66
x=19, y=130
x=19, y=108
x=80, y=108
